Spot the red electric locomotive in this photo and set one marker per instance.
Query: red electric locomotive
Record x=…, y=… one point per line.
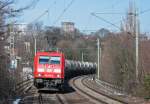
x=49, y=70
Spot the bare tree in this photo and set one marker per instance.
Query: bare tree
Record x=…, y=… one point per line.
x=7, y=11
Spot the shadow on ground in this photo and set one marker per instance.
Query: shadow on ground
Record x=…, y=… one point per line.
x=67, y=88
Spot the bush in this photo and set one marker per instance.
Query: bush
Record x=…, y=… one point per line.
x=147, y=84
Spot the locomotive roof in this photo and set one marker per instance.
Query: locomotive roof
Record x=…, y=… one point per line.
x=49, y=53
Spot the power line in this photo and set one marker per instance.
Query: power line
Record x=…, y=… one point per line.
x=45, y=12
x=88, y=23
x=93, y=14
x=119, y=13
x=94, y=30
x=147, y=10
x=65, y=9
x=52, y=5
x=116, y=3
x=88, y=30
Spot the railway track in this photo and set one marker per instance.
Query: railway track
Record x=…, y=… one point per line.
x=80, y=84
x=42, y=97
x=30, y=95
x=70, y=96
x=23, y=87
x=83, y=92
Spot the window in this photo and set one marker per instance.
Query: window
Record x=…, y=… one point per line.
x=55, y=60
x=44, y=59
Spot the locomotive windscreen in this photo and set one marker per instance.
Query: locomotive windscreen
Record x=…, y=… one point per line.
x=44, y=59
x=55, y=60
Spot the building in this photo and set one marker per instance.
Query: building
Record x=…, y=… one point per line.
x=68, y=27
x=143, y=37
x=21, y=29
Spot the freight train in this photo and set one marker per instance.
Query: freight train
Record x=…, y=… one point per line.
x=51, y=69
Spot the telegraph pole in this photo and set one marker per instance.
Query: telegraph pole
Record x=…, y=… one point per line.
x=34, y=45
x=137, y=44
x=35, y=41
x=136, y=34
x=98, y=59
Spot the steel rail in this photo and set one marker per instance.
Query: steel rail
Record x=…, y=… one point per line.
x=94, y=90
x=89, y=95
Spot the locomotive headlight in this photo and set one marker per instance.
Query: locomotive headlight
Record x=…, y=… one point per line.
x=39, y=75
x=57, y=70
x=40, y=69
x=58, y=75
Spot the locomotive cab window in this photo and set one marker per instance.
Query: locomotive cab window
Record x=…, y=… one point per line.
x=44, y=59
x=55, y=60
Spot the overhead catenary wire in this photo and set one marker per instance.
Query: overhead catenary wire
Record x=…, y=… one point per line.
x=65, y=9
x=88, y=23
x=116, y=3
x=94, y=30
x=113, y=24
x=115, y=13
x=144, y=11
x=93, y=14
x=119, y=13
x=35, y=20
x=43, y=14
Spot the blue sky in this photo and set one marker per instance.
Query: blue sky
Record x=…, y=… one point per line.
x=80, y=13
